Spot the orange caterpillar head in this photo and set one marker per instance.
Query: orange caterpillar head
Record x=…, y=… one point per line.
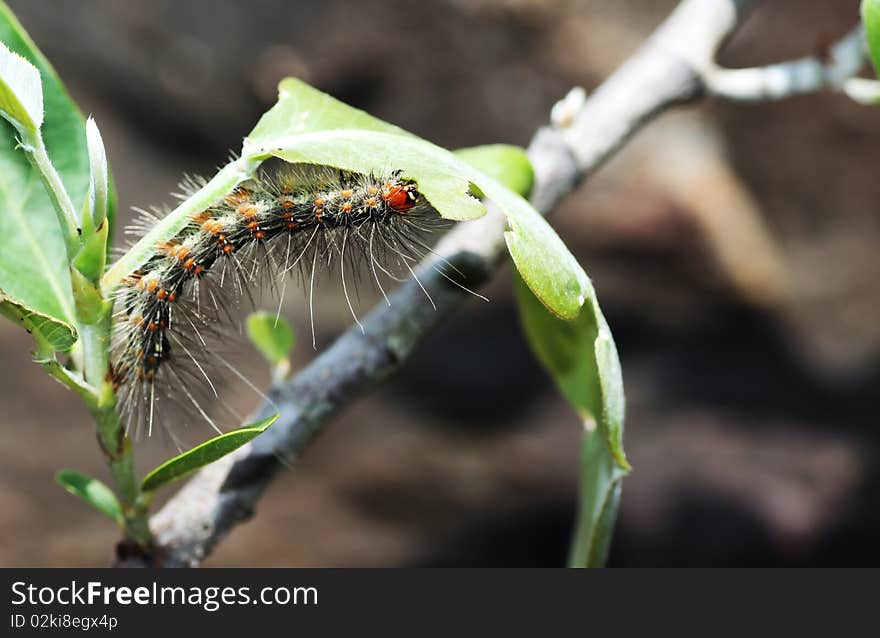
x=401, y=197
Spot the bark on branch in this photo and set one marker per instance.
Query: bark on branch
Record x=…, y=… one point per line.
x=667, y=70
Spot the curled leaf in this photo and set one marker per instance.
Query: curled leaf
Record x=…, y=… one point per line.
x=310, y=127
x=582, y=359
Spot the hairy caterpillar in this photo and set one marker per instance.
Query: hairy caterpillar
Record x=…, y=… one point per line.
x=169, y=310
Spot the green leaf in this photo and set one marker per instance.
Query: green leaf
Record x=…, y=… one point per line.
x=203, y=454
x=21, y=94
x=92, y=491
x=871, y=21
x=443, y=179
x=581, y=357
x=311, y=127
x=508, y=164
x=34, y=277
x=271, y=335
x=92, y=256
x=98, y=174
x=303, y=109
x=307, y=126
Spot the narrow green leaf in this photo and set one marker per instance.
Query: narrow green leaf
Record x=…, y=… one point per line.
x=98, y=174
x=582, y=359
x=271, y=335
x=34, y=277
x=92, y=491
x=505, y=163
x=307, y=126
x=871, y=21
x=92, y=256
x=203, y=454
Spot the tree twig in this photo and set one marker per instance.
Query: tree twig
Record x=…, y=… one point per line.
x=667, y=70
x=833, y=70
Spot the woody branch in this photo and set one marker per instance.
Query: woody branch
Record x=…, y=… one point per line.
x=670, y=68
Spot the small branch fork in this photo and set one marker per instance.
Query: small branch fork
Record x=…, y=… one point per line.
x=833, y=70
x=674, y=66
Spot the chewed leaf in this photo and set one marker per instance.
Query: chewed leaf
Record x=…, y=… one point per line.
x=203, y=454
x=444, y=180
x=309, y=127
x=508, y=164
x=539, y=254
x=271, y=335
x=92, y=491
x=304, y=109
x=34, y=279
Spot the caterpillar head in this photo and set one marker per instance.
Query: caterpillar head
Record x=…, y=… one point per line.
x=401, y=196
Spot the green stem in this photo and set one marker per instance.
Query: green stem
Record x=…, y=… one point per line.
x=95, y=339
x=70, y=379
x=35, y=151
x=98, y=394
x=118, y=452
x=94, y=325
x=115, y=443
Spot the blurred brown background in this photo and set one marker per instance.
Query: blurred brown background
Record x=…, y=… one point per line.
x=734, y=249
